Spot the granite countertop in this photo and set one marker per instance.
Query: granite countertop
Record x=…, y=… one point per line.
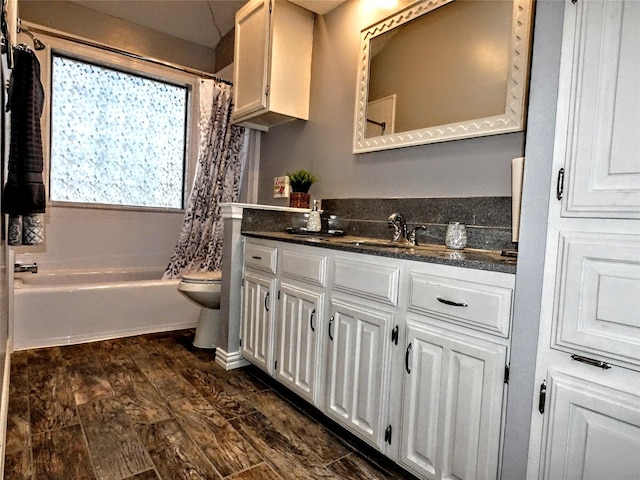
x=467, y=258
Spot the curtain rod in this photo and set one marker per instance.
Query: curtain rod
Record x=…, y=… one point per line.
x=90, y=43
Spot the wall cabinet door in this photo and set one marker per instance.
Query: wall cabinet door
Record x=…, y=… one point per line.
x=602, y=141
x=358, y=368
x=258, y=302
x=592, y=431
x=272, y=63
x=299, y=324
x=452, y=404
x=251, y=60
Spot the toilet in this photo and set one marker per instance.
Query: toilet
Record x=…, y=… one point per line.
x=203, y=288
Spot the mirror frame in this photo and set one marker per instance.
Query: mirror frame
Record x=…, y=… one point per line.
x=512, y=120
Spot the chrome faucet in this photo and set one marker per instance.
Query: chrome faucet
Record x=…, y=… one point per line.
x=25, y=267
x=396, y=220
x=412, y=235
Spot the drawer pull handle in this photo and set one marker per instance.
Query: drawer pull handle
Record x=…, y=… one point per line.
x=313, y=312
x=266, y=301
x=330, y=324
x=452, y=303
x=256, y=257
x=591, y=361
x=406, y=359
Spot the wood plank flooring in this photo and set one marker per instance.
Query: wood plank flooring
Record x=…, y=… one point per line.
x=154, y=408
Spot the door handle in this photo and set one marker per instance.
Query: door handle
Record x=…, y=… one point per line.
x=313, y=312
x=266, y=301
x=330, y=324
x=406, y=359
x=451, y=302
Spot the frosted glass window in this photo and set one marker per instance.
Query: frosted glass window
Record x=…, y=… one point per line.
x=116, y=138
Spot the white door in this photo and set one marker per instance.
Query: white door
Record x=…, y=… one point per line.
x=452, y=404
x=358, y=368
x=257, y=319
x=298, y=329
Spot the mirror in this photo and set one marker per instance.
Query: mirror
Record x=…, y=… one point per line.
x=443, y=70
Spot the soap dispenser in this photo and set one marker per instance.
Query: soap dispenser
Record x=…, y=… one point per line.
x=314, y=224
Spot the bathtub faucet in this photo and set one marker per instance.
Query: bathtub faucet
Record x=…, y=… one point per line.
x=25, y=267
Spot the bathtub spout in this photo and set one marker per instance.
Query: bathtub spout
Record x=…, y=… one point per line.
x=25, y=267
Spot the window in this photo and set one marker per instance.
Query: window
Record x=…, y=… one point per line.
x=116, y=138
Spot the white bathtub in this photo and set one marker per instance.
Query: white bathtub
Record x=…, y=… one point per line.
x=76, y=306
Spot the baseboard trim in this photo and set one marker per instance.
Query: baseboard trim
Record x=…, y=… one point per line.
x=230, y=361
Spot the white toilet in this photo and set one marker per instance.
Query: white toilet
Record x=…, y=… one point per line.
x=203, y=288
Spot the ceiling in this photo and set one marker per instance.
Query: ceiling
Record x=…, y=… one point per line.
x=198, y=21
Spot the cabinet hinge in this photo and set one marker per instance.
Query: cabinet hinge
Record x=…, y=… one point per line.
x=243, y=281
x=395, y=334
x=560, y=184
x=387, y=434
x=270, y=6
x=275, y=365
x=240, y=342
x=266, y=91
x=506, y=374
x=278, y=294
x=542, y=397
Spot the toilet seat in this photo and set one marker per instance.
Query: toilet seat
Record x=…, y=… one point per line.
x=203, y=277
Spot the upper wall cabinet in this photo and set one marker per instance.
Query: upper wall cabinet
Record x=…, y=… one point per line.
x=443, y=70
x=272, y=64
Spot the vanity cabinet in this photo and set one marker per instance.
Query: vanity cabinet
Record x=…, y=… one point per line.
x=272, y=63
x=300, y=321
x=359, y=354
x=259, y=292
x=451, y=403
x=409, y=356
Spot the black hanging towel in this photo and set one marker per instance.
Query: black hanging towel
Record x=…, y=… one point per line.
x=24, y=192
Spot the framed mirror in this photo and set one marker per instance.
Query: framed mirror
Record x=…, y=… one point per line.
x=442, y=70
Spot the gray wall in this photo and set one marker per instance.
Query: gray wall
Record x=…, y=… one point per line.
x=84, y=22
x=461, y=168
x=323, y=144
x=535, y=202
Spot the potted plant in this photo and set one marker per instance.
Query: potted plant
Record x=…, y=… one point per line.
x=300, y=181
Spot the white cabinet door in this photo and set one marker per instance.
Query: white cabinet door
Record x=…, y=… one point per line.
x=592, y=431
x=257, y=319
x=251, y=61
x=602, y=144
x=299, y=326
x=452, y=404
x=358, y=368
x=598, y=297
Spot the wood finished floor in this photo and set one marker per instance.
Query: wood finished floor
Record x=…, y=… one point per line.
x=153, y=408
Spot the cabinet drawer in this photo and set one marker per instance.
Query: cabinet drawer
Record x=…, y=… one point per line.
x=479, y=306
x=376, y=282
x=304, y=266
x=261, y=257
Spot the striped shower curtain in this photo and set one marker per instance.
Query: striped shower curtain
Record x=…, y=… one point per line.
x=217, y=180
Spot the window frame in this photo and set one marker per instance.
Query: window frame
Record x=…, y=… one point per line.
x=134, y=66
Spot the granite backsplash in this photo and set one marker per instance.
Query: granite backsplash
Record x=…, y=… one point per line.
x=488, y=219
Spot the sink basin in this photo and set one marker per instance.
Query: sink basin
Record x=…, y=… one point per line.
x=376, y=242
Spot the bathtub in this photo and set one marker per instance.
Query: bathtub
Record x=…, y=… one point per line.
x=76, y=306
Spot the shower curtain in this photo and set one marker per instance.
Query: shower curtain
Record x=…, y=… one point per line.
x=217, y=180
